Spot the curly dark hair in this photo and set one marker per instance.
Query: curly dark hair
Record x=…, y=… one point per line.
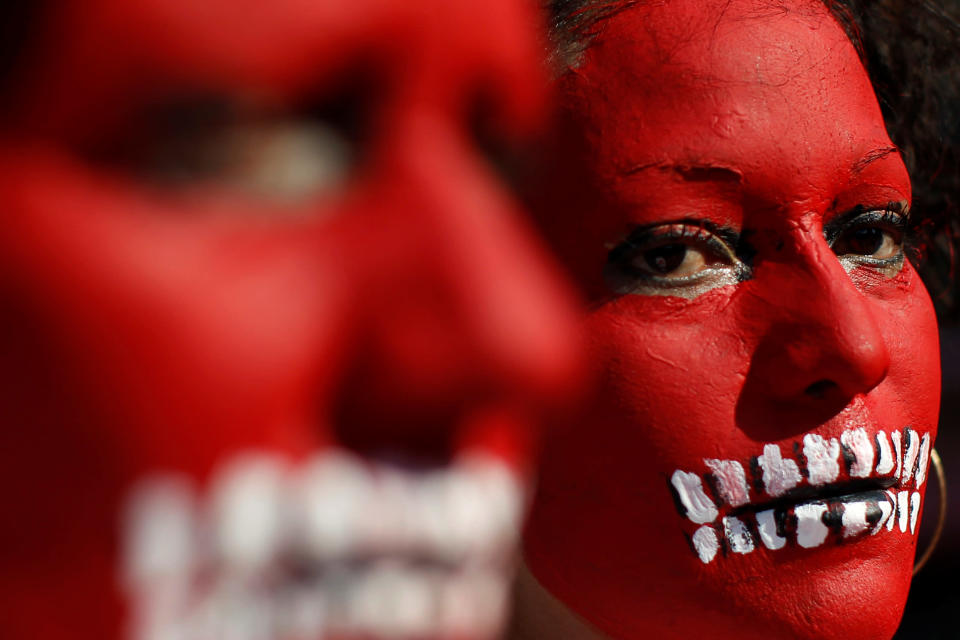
x=911, y=49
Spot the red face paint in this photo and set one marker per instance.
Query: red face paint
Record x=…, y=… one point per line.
x=212, y=330
x=756, y=461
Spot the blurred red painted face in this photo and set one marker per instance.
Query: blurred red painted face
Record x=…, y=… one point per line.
x=755, y=465
x=238, y=235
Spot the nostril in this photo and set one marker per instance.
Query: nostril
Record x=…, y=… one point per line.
x=820, y=388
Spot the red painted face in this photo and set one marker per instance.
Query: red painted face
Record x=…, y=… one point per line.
x=756, y=463
x=212, y=274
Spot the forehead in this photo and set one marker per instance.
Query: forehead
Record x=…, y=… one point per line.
x=750, y=86
x=287, y=32
x=110, y=52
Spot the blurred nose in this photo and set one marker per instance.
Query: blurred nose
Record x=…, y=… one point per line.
x=823, y=345
x=504, y=299
x=464, y=309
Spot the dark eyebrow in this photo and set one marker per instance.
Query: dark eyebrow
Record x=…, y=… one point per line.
x=872, y=156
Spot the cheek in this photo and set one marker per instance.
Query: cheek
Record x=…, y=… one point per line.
x=674, y=367
x=909, y=325
x=179, y=332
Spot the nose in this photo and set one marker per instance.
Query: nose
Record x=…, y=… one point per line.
x=511, y=313
x=822, y=345
x=464, y=311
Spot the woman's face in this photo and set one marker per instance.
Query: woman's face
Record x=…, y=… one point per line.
x=756, y=461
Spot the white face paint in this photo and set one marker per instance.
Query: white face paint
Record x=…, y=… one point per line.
x=737, y=534
x=731, y=481
x=859, y=444
x=217, y=563
x=903, y=510
x=897, y=449
x=779, y=474
x=924, y=461
x=886, y=510
x=885, y=463
x=892, y=520
x=159, y=531
x=854, y=519
x=767, y=526
x=811, y=532
x=914, y=510
x=706, y=544
x=700, y=508
x=912, y=449
x=246, y=504
x=822, y=457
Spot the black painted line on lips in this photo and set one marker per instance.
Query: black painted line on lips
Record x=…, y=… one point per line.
x=849, y=457
x=786, y=522
x=756, y=474
x=827, y=492
x=874, y=513
x=832, y=518
x=876, y=450
x=712, y=486
x=802, y=462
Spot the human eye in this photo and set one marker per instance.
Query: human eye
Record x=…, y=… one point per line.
x=284, y=151
x=873, y=237
x=681, y=258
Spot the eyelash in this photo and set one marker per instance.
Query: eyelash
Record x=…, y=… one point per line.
x=624, y=274
x=649, y=238
x=895, y=218
x=727, y=248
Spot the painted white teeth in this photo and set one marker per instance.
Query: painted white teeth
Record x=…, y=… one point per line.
x=886, y=509
x=892, y=520
x=885, y=463
x=731, y=481
x=335, y=494
x=767, y=526
x=897, y=450
x=903, y=510
x=822, y=457
x=858, y=443
x=472, y=606
x=911, y=449
x=914, y=510
x=706, y=544
x=391, y=602
x=811, y=532
x=700, y=508
x=246, y=507
x=737, y=534
x=779, y=474
x=903, y=455
x=158, y=530
x=854, y=519
x=333, y=513
x=924, y=461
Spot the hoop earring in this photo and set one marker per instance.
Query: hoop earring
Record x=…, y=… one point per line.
x=942, y=483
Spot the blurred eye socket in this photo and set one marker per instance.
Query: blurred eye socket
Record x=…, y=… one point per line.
x=871, y=237
x=674, y=256
x=256, y=150
x=259, y=153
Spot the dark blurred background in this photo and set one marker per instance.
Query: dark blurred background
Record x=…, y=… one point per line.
x=934, y=604
x=912, y=48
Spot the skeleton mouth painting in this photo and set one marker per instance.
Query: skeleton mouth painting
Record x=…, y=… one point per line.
x=807, y=505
